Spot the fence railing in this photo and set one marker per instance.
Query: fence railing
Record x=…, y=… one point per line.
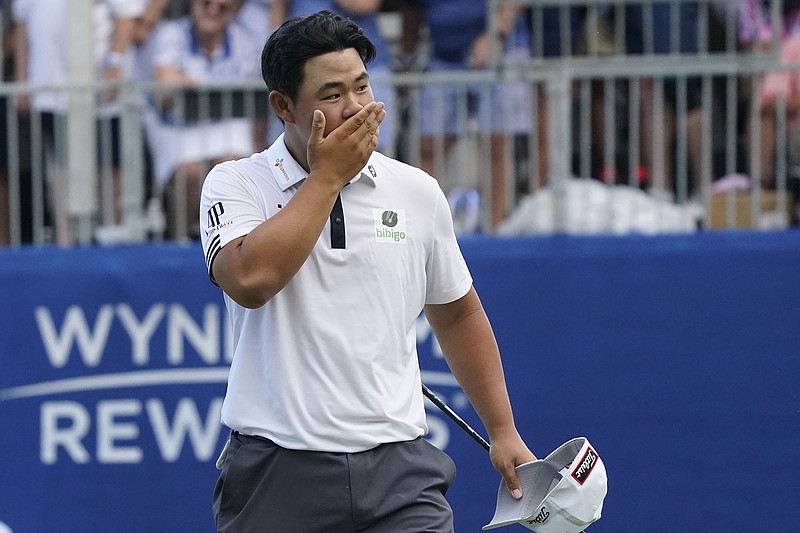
x=603, y=138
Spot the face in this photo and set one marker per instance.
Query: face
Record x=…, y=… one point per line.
x=211, y=16
x=335, y=83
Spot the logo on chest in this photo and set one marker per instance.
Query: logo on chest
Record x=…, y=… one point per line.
x=390, y=225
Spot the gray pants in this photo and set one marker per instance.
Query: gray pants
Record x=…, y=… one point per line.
x=393, y=488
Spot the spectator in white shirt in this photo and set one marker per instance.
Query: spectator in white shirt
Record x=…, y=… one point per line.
x=205, y=47
x=40, y=59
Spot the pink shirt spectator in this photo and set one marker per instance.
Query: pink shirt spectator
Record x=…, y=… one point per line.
x=786, y=83
x=755, y=23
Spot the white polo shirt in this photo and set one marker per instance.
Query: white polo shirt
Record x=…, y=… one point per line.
x=330, y=362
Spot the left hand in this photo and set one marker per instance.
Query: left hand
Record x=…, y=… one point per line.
x=113, y=74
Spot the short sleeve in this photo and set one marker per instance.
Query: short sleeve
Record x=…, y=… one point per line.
x=230, y=207
x=127, y=8
x=168, y=43
x=785, y=83
x=20, y=10
x=448, y=277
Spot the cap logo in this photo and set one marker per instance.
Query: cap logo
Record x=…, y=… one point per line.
x=539, y=518
x=585, y=466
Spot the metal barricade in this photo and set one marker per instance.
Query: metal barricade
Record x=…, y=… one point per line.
x=680, y=127
x=682, y=122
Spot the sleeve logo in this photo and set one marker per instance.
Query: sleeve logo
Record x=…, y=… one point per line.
x=213, y=215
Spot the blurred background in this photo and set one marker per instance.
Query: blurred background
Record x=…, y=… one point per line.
x=624, y=177
x=535, y=116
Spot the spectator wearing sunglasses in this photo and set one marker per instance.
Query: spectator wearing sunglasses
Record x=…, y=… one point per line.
x=204, y=47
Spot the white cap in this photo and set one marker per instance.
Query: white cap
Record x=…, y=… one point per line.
x=563, y=493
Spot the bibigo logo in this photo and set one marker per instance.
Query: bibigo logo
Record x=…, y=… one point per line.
x=390, y=225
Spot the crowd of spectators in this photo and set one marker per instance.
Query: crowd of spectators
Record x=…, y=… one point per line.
x=189, y=43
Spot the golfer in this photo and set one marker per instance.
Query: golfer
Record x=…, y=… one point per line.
x=327, y=253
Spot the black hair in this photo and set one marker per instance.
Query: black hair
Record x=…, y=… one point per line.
x=302, y=38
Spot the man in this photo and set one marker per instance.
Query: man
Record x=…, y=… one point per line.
x=205, y=47
x=366, y=14
x=40, y=59
x=327, y=252
x=457, y=33
x=653, y=29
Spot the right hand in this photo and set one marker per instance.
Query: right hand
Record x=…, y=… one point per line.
x=340, y=155
x=111, y=74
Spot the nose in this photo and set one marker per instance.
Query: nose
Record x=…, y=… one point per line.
x=353, y=105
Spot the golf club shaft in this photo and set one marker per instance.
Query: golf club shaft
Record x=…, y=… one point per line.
x=454, y=416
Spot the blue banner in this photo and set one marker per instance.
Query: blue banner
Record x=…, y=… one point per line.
x=676, y=356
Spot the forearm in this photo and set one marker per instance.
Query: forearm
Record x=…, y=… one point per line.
x=471, y=351
x=262, y=263
x=278, y=12
x=21, y=53
x=469, y=346
x=150, y=17
x=122, y=38
x=154, y=11
x=506, y=18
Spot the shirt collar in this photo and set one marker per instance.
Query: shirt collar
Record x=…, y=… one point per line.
x=287, y=172
x=197, y=50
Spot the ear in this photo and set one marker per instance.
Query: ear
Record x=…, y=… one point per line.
x=283, y=106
